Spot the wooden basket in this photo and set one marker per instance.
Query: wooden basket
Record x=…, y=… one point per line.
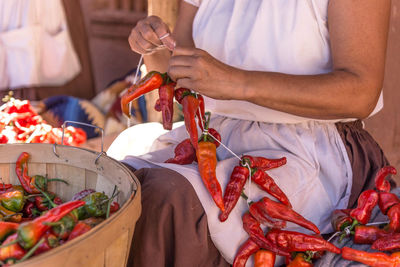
x=107, y=244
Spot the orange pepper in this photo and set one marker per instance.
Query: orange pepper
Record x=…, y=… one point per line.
x=264, y=258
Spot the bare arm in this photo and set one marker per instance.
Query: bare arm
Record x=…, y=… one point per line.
x=145, y=37
x=358, y=31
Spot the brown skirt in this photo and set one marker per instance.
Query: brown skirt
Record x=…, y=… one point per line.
x=173, y=230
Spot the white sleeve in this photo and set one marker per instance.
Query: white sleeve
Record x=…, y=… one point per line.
x=194, y=2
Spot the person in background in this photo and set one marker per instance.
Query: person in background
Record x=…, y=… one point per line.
x=281, y=78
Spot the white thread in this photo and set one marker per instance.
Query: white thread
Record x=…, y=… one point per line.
x=164, y=36
x=249, y=199
x=333, y=236
x=377, y=223
x=199, y=109
x=128, y=123
x=206, y=132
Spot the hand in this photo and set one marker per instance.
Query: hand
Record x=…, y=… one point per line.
x=197, y=70
x=149, y=34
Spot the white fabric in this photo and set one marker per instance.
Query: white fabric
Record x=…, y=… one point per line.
x=35, y=46
x=279, y=36
x=316, y=178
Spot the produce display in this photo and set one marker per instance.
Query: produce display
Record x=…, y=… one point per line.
x=35, y=220
x=20, y=123
x=299, y=249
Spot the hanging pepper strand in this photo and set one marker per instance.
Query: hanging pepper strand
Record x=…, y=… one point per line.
x=233, y=190
x=257, y=211
x=366, y=202
x=368, y=234
x=377, y=259
x=381, y=183
x=266, y=183
x=184, y=153
x=207, y=164
x=190, y=105
x=166, y=94
x=201, y=112
x=150, y=82
x=245, y=251
x=290, y=241
x=263, y=163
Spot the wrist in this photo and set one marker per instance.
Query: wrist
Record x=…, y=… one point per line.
x=241, y=81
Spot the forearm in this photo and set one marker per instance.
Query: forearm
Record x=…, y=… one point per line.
x=336, y=95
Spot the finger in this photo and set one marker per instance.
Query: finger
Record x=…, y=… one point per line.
x=185, y=51
x=185, y=83
x=179, y=72
x=182, y=61
x=147, y=46
x=147, y=32
x=162, y=31
x=139, y=49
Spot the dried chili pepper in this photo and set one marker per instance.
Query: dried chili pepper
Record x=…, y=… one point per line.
x=376, y=259
x=290, y=241
x=215, y=134
x=157, y=106
x=190, y=105
x=366, y=202
x=368, y=234
x=245, y=251
x=300, y=261
x=266, y=183
x=381, y=183
x=257, y=211
x=79, y=229
x=263, y=163
x=14, y=250
x=388, y=242
x=253, y=229
x=341, y=219
x=394, y=218
x=233, y=190
x=13, y=200
x=30, y=232
x=201, y=112
x=180, y=93
x=7, y=228
x=207, y=163
x=166, y=94
x=277, y=210
x=150, y=82
x=184, y=153
x=386, y=201
x=264, y=258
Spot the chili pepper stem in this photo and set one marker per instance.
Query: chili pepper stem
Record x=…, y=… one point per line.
x=33, y=195
x=57, y=180
x=10, y=216
x=32, y=250
x=110, y=200
x=9, y=244
x=243, y=195
x=46, y=196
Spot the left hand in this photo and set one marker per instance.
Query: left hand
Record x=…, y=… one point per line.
x=197, y=70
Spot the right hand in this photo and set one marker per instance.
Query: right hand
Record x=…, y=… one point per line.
x=145, y=37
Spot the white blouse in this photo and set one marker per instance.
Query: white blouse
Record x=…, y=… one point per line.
x=264, y=35
x=35, y=46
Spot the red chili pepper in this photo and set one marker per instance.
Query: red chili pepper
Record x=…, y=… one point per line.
x=28, y=210
x=216, y=135
x=257, y=211
x=253, y=229
x=280, y=211
x=12, y=251
x=157, y=105
x=190, y=105
x=290, y=241
x=341, y=219
x=207, y=163
x=79, y=229
x=245, y=251
x=150, y=82
x=381, y=183
x=21, y=169
x=5, y=187
x=50, y=241
x=201, y=112
x=394, y=217
x=388, y=242
x=114, y=207
x=300, y=261
x=368, y=234
x=30, y=232
x=264, y=258
x=180, y=93
x=233, y=190
x=266, y=183
x=376, y=259
x=184, y=153
x=166, y=94
x=366, y=203
x=263, y=163
x=7, y=228
x=386, y=201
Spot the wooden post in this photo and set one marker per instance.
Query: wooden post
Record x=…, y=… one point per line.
x=165, y=9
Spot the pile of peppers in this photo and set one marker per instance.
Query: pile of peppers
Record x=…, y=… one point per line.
x=20, y=123
x=354, y=223
x=34, y=220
